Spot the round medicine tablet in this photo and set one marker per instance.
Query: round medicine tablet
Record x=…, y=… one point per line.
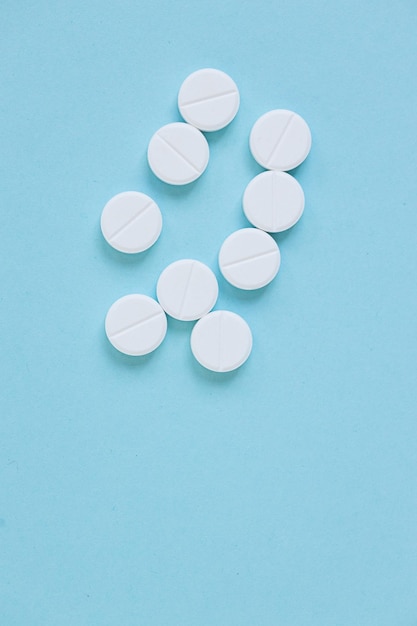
x=280, y=140
x=249, y=258
x=221, y=341
x=208, y=99
x=187, y=289
x=136, y=324
x=131, y=222
x=178, y=153
x=273, y=201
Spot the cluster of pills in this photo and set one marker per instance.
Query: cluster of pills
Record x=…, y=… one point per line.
x=249, y=258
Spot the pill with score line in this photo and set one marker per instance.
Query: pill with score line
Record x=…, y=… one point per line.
x=280, y=140
x=187, y=289
x=273, y=201
x=131, y=222
x=221, y=341
x=178, y=153
x=249, y=258
x=136, y=324
x=208, y=99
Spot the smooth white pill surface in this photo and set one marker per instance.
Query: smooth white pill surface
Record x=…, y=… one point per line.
x=136, y=324
x=221, y=341
x=249, y=258
x=187, y=289
x=178, y=153
x=280, y=140
x=208, y=99
x=131, y=222
x=273, y=201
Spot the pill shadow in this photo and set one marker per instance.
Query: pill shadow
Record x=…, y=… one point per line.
x=230, y=292
x=246, y=164
x=216, y=136
x=179, y=330
x=179, y=327
x=300, y=169
x=250, y=165
x=174, y=114
x=282, y=237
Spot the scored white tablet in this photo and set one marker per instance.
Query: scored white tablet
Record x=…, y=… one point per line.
x=136, y=324
x=131, y=222
x=208, y=99
x=221, y=341
x=249, y=258
x=178, y=153
x=187, y=289
x=273, y=201
x=280, y=140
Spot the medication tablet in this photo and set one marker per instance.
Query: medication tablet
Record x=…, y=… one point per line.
x=208, y=99
x=178, y=153
x=136, y=324
x=249, y=258
x=131, y=222
x=187, y=289
x=273, y=201
x=221, y=341
x=280, y=140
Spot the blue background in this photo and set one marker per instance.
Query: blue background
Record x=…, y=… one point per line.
x=150, y=491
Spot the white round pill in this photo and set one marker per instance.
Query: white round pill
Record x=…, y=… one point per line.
x=273, y=201
x=221, y=341
x=280, y=140
x=208, y=99
x=131, y=222
x=178, y=153
x=249, y=258
x=187, y=289
x=136, y=324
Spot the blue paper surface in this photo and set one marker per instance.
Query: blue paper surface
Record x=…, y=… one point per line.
x=150, y=491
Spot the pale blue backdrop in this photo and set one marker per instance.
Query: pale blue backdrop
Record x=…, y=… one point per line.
x=150, y=492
